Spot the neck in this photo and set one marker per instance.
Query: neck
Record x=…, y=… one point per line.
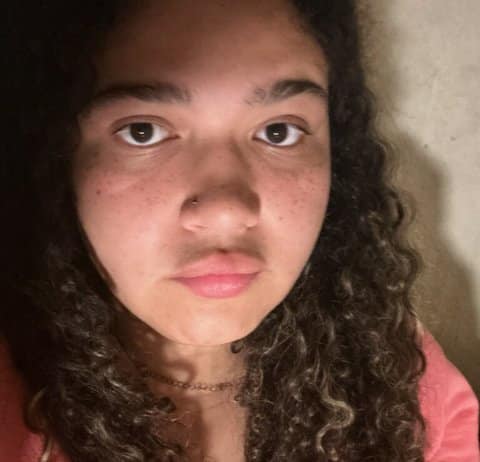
x=206, y=417
x=192, y=364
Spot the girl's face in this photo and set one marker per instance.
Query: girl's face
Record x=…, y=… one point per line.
x=225, y=102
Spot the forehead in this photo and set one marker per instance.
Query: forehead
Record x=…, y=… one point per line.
x=212, y=42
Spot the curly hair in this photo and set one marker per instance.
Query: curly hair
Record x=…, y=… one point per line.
x=332, y=372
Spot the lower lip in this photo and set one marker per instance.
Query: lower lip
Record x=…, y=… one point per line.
x=218, y=285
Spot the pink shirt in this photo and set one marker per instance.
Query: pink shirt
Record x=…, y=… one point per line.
x=448, y=404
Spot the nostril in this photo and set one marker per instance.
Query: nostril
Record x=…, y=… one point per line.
x=228, y=212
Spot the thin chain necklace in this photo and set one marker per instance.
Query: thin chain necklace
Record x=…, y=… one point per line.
x=146, y=373
x=195, y=385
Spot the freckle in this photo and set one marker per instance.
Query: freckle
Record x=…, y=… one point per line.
x=150, y=337
x=98, y=192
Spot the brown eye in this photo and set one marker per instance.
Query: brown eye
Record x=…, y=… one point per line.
x=281, y=134
x=142, y=133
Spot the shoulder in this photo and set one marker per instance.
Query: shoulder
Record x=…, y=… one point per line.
x=18, y=443
x=449, y=407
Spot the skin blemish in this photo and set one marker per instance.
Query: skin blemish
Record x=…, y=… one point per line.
x=151, y=337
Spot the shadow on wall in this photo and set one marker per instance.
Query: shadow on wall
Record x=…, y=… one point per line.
x=444, y=293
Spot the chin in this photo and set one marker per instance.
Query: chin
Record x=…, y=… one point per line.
x=208, y=333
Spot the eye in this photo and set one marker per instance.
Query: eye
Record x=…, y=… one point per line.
x=142, y=134
x=281, y=134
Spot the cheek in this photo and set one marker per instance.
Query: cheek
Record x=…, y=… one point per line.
x=108, y=191
x=302, y=206
x=120, y=215
x=98, y=201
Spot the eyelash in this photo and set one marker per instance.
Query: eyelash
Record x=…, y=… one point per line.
x=155, y=129
x=125, y=130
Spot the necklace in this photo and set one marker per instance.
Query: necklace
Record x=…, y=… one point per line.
x=148, y=374
x=196, y=386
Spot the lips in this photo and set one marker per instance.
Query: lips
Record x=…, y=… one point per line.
x=220, y=275
x=218, y=285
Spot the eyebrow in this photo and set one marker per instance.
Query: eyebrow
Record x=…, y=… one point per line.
x=166, y=92
x=284, y=89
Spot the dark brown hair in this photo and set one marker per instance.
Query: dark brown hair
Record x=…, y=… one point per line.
x=332, y=371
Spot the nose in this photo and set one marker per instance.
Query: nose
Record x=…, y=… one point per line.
x=221, y=199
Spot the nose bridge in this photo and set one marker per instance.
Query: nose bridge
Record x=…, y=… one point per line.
x=222, y=166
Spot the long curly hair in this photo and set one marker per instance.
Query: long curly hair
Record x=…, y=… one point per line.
x=332, y=372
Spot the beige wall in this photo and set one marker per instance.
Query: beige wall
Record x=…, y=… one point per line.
x=424, y=57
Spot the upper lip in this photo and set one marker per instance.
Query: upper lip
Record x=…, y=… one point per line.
x=221, y=263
